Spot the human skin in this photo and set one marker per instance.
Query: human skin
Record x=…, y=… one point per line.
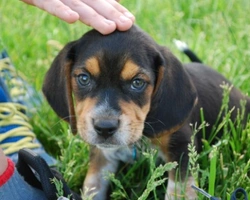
x=3, y=161
x=103, y=15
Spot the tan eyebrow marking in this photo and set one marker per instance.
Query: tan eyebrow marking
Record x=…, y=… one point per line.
x=129, y=70
x=132, y=70
x=92, y=66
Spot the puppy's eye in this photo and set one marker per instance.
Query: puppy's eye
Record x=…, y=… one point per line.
x=138, y=84
x=83, y=79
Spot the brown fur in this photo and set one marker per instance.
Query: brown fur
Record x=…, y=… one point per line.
x=125, y=86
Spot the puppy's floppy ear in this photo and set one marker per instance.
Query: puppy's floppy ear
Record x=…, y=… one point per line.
x=57, y=85
x=173, y=98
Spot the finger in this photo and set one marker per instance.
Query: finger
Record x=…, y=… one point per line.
x=122, y=9
x=56, y=8
x=91, y=18
x=108, y=11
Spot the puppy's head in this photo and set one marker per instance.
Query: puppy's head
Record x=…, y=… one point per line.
x=114, y=88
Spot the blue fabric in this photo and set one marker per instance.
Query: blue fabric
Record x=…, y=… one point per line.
x=18, y=189
x=5, y=97
x=3, y=129
x=2, y=96
x=31, y=98
x=4, y=54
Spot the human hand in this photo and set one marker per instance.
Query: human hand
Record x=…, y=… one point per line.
x=103, y=15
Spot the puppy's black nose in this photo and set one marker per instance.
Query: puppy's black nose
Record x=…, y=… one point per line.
x=106, y=128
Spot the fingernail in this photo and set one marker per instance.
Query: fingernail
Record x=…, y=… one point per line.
x=109, y=22
x=70, y=12
x=71, y=16
x=123, y=18
x=128, y=14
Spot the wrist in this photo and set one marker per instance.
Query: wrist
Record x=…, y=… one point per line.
x=9, y=170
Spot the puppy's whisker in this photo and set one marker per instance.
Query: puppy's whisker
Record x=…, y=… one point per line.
x=68, y=117
x=135, y=79
x=61, y=120
x=152, y=128
x=56, y=123
x=156, y=120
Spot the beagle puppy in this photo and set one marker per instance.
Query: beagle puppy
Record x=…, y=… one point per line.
x=114, y=89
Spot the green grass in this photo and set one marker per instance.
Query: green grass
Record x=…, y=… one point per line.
x=217, y=30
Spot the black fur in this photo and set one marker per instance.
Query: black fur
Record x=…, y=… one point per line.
x=180, y=90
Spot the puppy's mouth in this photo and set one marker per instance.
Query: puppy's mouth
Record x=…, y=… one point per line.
x=109, y=130
x=109, y=135
x=113, y=141
x=108, y=146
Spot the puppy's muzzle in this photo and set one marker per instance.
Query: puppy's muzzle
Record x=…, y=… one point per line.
x=106, y=127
